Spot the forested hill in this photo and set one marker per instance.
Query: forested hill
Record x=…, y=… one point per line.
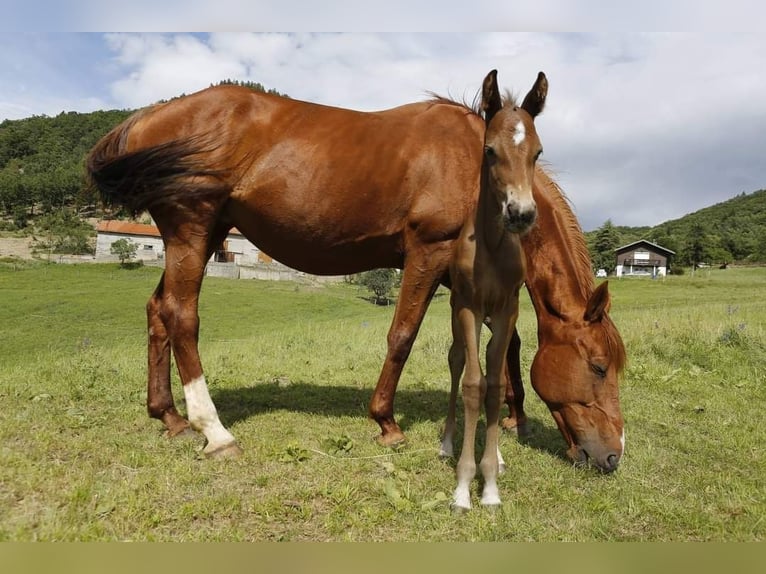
x=42, y=159
x=731, y=231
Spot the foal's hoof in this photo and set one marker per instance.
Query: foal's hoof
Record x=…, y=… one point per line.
x=230, y=450
x=459, y=509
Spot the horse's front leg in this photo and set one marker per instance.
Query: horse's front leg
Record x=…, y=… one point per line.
x=456, y=360
x=419, y=282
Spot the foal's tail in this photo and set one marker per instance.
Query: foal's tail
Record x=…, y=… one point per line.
x=171, y=174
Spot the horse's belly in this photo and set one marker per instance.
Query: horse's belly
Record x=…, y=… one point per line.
x=324, y=244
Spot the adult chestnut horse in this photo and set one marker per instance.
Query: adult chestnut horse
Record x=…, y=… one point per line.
x=580, y=353
x=321, y=189
x=486, y=273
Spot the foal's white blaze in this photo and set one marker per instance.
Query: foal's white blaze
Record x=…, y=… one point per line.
x=520, y=133
x=622, y=442
x=203, y=416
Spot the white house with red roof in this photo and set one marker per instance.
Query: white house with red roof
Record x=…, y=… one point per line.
x=235, y=249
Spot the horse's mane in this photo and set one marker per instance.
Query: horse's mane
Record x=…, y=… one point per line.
x=581, y=259
x=571, y=227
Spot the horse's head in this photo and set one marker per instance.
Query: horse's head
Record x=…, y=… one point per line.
x=511, y=148
x=575, y=372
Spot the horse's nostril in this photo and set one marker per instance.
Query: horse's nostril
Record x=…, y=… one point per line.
x=612, y=461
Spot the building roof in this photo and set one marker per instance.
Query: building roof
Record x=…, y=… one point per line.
x=648, y=244
x=140, y=229
x=127, y=228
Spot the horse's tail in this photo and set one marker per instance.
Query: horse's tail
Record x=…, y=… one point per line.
x=174, y=173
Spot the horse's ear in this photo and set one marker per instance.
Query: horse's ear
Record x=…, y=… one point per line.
x=490, y=97
x=534, y=102
x=598, y=303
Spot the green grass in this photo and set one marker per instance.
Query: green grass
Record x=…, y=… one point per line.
x=291, y=369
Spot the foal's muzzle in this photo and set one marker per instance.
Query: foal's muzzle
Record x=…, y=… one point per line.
x=519, y=220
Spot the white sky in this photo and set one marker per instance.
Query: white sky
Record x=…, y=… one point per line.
x=639, y=127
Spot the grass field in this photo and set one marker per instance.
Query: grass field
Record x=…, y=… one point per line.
x=292, y=367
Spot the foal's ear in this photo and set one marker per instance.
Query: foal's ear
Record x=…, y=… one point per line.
x=490, y=97
x=534, y=102
x=598, y=303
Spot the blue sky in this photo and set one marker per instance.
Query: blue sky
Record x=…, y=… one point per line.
x=639, y=127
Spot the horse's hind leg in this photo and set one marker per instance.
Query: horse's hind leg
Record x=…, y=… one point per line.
x=159, y=398
x=184, y=270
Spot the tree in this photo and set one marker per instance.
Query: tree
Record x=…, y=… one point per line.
x=125, y=250
x=64, y=232
x=606, y=240
x=381, y=282
x=696, y=244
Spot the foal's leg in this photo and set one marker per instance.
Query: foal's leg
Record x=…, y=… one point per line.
x=185, y=267
x=502, y=326
x=474, y=388
x=419, y=282
x=159, y=398
x=514, y=393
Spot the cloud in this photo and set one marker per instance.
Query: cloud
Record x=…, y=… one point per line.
x=639, y=128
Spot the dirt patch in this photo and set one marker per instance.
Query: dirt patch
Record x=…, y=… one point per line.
x=20, y=247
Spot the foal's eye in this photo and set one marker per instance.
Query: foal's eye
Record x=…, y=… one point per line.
x=489, y=151
x=538, y=154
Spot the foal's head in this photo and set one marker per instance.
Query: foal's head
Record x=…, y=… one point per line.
x=511, y=148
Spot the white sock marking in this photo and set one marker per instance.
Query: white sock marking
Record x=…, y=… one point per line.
x=203, y=416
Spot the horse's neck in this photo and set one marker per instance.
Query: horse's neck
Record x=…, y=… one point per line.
x=554, y=279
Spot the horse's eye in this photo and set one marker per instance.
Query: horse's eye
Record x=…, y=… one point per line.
x=600, y=370
x=538, y=154
x=489, y=151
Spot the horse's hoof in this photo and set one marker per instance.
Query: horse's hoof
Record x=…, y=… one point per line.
x=514, y=426
x=392, y=439
x=186, y=432
x=231, y=450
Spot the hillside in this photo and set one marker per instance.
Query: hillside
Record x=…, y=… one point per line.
x=730, y=231
x=41, y=160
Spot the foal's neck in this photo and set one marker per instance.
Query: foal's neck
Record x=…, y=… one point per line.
x=490, y=230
